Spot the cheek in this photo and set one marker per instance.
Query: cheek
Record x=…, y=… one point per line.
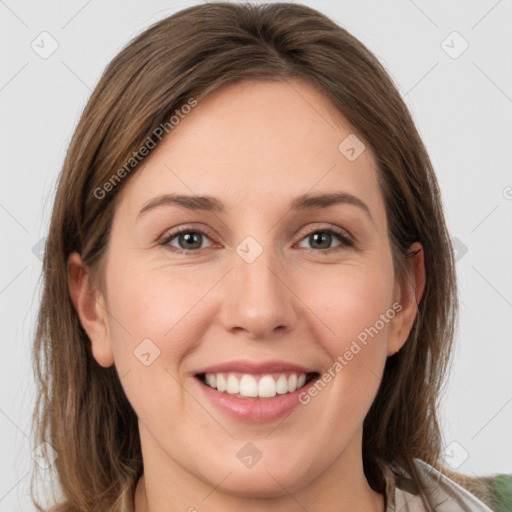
x=155, y=305
x=154, y=324
x=348, y=300
x=353, y=308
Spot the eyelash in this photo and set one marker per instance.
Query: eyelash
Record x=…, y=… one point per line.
x=341, y=236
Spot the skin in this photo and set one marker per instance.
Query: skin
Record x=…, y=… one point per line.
x=254, y=146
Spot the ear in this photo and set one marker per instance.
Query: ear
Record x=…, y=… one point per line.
x=91, y=310
x=408, y=295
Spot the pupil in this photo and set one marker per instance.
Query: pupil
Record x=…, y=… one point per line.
x=324, y=236
x=189, y=237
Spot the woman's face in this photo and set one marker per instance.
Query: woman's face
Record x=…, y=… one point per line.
x=256, y=292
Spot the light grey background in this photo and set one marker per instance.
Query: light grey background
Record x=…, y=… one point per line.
x=462, y=107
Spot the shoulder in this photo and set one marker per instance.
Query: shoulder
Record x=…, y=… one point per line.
x=501, y=490
x=449, y=495
x=444, y=494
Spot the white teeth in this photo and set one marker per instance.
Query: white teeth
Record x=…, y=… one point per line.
x=282, y=385
x=221, y=382
x=233, y=385
x=211, y=380
x=248, y=385
x=267, y=387
x=292, y=383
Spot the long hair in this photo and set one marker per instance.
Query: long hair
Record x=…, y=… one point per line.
x=81, y=410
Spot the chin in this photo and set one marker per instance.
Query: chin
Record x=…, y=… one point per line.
x=271, y=476
x=258, y=484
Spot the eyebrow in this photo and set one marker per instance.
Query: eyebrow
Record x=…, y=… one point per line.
x=212, y=204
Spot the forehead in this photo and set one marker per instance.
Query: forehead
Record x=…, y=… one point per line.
x=258, y=143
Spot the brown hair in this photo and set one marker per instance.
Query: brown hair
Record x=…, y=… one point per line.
x=82, y=410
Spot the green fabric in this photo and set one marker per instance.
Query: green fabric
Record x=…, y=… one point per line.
x=502, y=493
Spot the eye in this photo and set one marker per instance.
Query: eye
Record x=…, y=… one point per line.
x=321, y=239
x=188, y=239
x=191, y=240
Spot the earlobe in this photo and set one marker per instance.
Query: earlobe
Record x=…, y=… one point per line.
x=90, y=309
x=408, y=294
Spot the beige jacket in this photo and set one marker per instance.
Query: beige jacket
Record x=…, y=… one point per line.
x=446, y=495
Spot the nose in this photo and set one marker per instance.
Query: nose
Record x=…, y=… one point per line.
x=259, y=298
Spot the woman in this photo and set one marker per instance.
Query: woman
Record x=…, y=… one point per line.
x=196, y=348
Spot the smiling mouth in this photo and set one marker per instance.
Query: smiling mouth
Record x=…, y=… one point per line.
x=247, y=385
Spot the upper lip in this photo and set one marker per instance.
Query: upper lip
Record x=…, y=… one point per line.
x=246, y=366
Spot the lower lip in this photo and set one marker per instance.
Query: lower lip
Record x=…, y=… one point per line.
x=255, y=410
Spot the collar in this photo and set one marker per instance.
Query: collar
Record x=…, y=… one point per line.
x=403, y=495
